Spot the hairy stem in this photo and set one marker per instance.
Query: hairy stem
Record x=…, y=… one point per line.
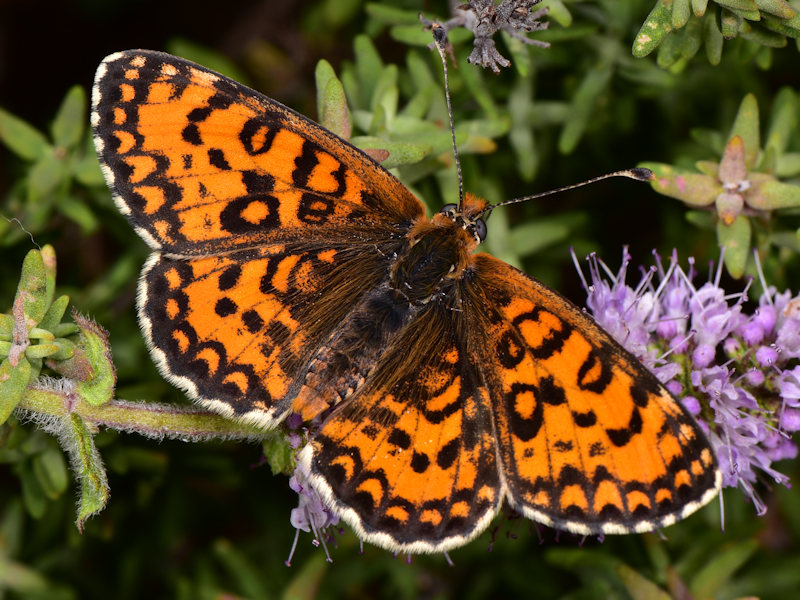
x=51, y=400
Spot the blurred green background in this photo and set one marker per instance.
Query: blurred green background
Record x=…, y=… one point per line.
x=210, y=520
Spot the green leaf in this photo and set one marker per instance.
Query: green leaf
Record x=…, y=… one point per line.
x=655, y=28
x=521, y=136
x=33, y=290
x=13, y=383
x=42, y=335
x=713, y=39
x=594, y=83
x=729, y=24
x=386, y=94
x=88, y=468
x=681, y=11
x=41, y=350
x=331, y=101
x=692, y=38
x=476, y=83
x=54, y=313
x=399, y=153
x=21, y=138
x=558, y=12
x=779, y=8
x=419, y=71
x=24, y=581
x=6, y=326
x=766, y=38
x=746, y=126
x=520, y=54
x=392, y=15
x=369, y=67
x=531, y=237
x=12, y=529
x=68, y=126
x=639, y=587
x=785, y=109
x=411, y=35
x=245, y=574
x=771, y=194
x=417, y=107
x=788, y=165
x=725, y=562
x=305, y=584
x=278, y=452
x=44, y=177
x=51, y=471
x=692, y=188
x=77, y=210
x=699, y=7
x=670, y=52
x=32, y=493
x=65, y=350
x=787, y=27
x=65, y=329
x=741, y=5
x=735, y=238
x=98, y=388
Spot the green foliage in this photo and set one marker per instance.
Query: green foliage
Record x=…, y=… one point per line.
x=679, y=28
x=60, y=173
x=207, y=520
x=742, y=189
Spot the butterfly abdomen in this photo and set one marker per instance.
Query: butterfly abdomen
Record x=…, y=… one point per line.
x=343, y=364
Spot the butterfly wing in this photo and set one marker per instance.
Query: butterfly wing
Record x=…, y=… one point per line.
x=238, y=332
x=589, y=440
x=254, y=211
x=410, y=461
x=202, y=164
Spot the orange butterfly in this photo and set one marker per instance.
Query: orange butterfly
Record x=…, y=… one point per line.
x=291, y=273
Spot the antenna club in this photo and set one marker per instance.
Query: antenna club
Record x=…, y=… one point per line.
x=642, y=174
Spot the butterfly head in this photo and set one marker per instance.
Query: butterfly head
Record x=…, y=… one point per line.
x=469, y=216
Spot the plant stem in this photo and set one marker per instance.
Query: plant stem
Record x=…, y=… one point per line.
x=48, y=401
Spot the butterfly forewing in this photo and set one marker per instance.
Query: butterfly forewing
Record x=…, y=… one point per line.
x=201, y=164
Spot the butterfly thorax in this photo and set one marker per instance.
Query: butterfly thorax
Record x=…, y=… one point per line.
x=438, y=251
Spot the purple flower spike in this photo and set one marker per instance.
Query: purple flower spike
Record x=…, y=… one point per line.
x=311, y=514
x=724, y=365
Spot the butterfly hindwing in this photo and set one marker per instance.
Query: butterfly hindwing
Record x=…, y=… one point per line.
x=238, y=331
x=410, y=460
x=589, y=440
x=202, y=164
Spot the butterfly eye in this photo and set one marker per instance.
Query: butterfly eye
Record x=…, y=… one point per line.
x=449, y=209
x=480, y=229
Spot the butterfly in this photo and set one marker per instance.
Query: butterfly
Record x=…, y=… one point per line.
x=291, y=273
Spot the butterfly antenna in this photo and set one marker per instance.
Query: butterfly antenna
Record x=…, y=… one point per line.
x=441, y=42
x=638, y=173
